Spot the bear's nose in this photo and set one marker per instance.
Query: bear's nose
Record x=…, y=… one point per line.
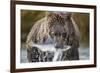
x=58, y=46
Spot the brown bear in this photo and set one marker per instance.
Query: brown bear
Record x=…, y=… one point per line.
x=57, y=28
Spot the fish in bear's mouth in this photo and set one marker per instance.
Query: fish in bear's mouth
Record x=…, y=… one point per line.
x=50, y=47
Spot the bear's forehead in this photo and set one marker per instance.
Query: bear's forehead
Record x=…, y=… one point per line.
x=58, y=28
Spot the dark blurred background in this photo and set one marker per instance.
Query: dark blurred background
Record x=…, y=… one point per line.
x=29, y=17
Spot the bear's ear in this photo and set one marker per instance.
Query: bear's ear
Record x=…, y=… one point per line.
x=49, y=13
x=68, y=15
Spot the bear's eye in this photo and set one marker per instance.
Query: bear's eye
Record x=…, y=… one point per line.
x=54, y=34
x=57, y=34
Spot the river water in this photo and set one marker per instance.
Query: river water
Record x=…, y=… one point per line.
x=83, y=54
